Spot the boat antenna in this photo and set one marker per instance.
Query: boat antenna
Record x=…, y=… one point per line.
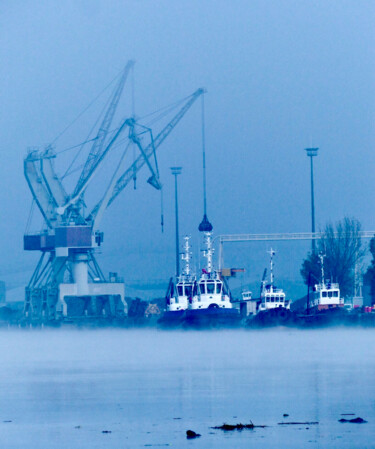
x=205, y=225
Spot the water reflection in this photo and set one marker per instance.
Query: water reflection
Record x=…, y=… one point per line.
x=149, y=387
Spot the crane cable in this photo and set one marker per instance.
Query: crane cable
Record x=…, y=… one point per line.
x=30, y=216
x=162, y=210
x=83, y=144
x=75, y=146
x=85, y=109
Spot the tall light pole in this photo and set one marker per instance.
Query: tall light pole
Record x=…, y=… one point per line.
x=312, y=152
x=175, y=172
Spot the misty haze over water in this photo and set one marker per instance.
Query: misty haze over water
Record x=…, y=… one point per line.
x=61, y=389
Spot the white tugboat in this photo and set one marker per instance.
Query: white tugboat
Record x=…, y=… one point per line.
x=272, y=297
x=211, y=303
x=326, y=295
x=272, y=306
x=179, y=295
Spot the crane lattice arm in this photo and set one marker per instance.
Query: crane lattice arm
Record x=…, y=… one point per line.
x=124, y=179
x=74, y=198
x=50, y=178
x=98, y=145
x=38, y=188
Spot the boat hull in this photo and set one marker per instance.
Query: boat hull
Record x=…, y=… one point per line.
x=172, y=319
x=272, y=317
x=212, y=317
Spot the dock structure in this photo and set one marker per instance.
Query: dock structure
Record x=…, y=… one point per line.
x=233, y=238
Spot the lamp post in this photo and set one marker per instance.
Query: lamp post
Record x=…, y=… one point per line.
x=312, y=152
x=175, y=172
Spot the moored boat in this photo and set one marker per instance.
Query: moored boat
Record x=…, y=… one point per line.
x=210, y=304
x=180, y=293
x=326, y=294
x=324, y=306
x=272, y=307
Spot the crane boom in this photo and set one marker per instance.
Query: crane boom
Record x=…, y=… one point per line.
x=73, y=199
x=98, y=144
x=37, y=187
x=51, y=180
x=124, y=179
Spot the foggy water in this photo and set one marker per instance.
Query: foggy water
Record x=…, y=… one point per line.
x=148, y=387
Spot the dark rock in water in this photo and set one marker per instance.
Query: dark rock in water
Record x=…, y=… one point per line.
x=191, y=434
x=354, y=420
x=106, y=431
x=285, y=415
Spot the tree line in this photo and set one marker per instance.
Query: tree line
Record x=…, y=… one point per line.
x=343, y=251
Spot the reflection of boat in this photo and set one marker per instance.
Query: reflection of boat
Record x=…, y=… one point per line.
x=326, y=295
x=210, y=303
x=178, y=296
x=272, y=307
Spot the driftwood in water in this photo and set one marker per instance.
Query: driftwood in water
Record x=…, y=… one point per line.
x=310, y=423
x=354, y=420
x=239, y=426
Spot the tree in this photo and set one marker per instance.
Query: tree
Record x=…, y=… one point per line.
x=341, y=244
x=370, y=273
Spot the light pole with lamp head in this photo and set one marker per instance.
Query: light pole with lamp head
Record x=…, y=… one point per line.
x=311, y=153
x=175, y=172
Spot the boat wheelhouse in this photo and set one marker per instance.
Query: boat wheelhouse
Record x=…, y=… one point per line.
x=210, y=290
x=326, y=295
x=273, y=298
x=179, y=298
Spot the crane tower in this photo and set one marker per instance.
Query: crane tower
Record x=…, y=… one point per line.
x=67, y=282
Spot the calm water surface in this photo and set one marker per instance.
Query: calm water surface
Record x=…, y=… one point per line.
x=61, y=389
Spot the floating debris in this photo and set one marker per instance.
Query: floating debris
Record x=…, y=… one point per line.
x=159, y=445
x=240, y=426
x=306, y=423
x=191, y=434
x=354, y=420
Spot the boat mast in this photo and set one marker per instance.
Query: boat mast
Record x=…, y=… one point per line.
x=209, y=252
x=186, y=256
x=321, y=257
x=271, y=252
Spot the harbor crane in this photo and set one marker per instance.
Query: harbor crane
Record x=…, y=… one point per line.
x=67, y=282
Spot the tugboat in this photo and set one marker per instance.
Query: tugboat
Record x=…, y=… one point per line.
x=210, y=304
x=272, y=307
x=326, y=295
x=178, y=296
x=325, y=306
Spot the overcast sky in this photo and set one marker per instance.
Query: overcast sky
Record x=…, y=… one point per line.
x=280, y=76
